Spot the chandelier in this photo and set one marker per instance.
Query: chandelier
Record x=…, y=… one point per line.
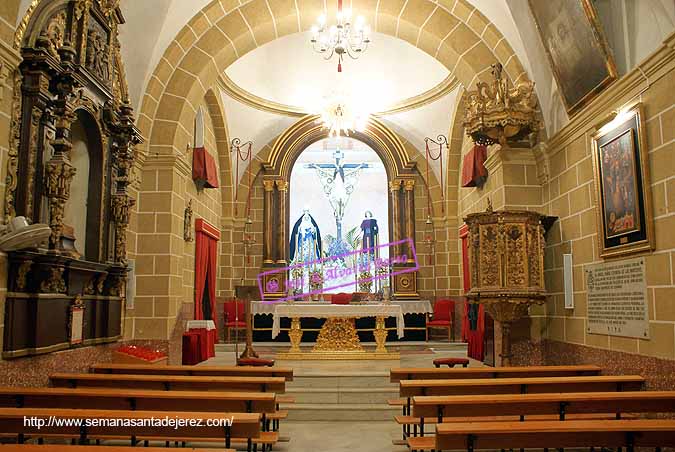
x=341, y=39
x=340, y=117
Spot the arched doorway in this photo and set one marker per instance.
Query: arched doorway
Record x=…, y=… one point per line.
x=327, y=183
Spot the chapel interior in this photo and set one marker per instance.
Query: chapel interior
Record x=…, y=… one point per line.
x=340, y=225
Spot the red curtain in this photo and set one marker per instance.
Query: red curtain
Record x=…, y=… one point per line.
x=206, y=254
x=475, y=337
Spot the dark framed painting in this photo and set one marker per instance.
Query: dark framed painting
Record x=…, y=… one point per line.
x=623, y=195
x=581, y=60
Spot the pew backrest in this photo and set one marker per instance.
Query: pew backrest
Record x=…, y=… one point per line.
x=136, y=423
x=411, y=388
x=560, y=404
x=170, y=382
x=144, y=400
x=418, y=373
x=556, y=434
x=205, y=371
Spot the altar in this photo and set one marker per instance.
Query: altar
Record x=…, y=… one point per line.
x=337, y=338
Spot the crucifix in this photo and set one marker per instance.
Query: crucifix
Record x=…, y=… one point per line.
x=338, y=180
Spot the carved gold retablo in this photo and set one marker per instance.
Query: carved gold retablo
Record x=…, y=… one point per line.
x=498, y=112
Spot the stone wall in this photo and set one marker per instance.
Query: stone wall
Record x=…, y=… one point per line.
x=570, y=195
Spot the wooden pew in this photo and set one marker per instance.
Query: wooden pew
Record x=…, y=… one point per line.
x=169, y=382
x=418, y=373
x=411, y=388
x=552, y=434
x=440, y=409
x=204, y=371
x=142, y=400
x=65, y=448
x=145, y=400
x=244, y=426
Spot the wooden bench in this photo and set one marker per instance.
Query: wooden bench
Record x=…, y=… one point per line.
x=169, y=382
x=419, y=373
x=204, y=371
x=411, y=388
x=245, y=426
x=550, y=434
x=559, y=406
x=65, y=448
x=142, y=400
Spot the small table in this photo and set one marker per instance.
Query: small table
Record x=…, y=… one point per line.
x=338, y=337
x=207, y=335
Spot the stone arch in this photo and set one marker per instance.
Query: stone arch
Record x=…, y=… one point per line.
x=276, y=159
x=454, y=32
x=217, y=113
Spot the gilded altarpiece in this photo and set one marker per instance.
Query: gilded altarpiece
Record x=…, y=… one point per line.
x=71, y=77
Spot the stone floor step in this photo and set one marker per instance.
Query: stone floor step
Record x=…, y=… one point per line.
x=343, y=395
x=340, y=412
x=340, y=381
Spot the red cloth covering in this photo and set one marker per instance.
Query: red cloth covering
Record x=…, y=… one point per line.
x=474, y=172
x=206, y=255
x=341, y=298
x=204, y=168
x=191, y=348
x=475, y=338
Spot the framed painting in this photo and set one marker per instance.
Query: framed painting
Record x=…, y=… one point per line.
x=623, y=195
x=581, y=60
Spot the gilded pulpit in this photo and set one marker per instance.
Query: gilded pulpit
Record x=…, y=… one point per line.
x=506, y=260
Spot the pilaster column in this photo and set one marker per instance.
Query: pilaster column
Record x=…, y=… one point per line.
x=268, y=237
x=282, y=249
x=395, y=190
x=409, y=208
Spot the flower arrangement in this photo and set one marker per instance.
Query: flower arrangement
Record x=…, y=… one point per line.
x=365, y=281
x=315, y=280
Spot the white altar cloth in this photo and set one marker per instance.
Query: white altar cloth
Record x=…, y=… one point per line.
x=407, y=306
x=326, y=311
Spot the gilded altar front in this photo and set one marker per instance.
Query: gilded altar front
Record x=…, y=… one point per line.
x=338, y=338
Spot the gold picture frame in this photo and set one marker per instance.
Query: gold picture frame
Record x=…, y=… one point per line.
x=580, y=57
x=622, y=185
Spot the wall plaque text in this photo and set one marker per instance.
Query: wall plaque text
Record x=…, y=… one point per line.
x=617, y=299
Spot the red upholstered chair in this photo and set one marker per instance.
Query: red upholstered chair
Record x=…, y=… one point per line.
x=341, y=298
x=442, y=317
x=234, y=310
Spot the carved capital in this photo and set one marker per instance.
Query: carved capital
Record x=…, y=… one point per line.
x=268, y=184
x=395, y=185
x=282, y=185
x=409, y=184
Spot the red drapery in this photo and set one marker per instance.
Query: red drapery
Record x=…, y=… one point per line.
x=204, y=168
x=475, y=338
x=206, y=252
x=474, y=172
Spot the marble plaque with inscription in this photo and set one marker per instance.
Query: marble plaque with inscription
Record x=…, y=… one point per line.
x=617, y=299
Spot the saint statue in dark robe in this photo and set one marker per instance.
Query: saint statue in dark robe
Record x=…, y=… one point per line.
x=305, y=239
x=370, y=233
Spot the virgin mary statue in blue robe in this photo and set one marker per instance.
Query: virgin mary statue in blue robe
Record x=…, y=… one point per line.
x=305, y=239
